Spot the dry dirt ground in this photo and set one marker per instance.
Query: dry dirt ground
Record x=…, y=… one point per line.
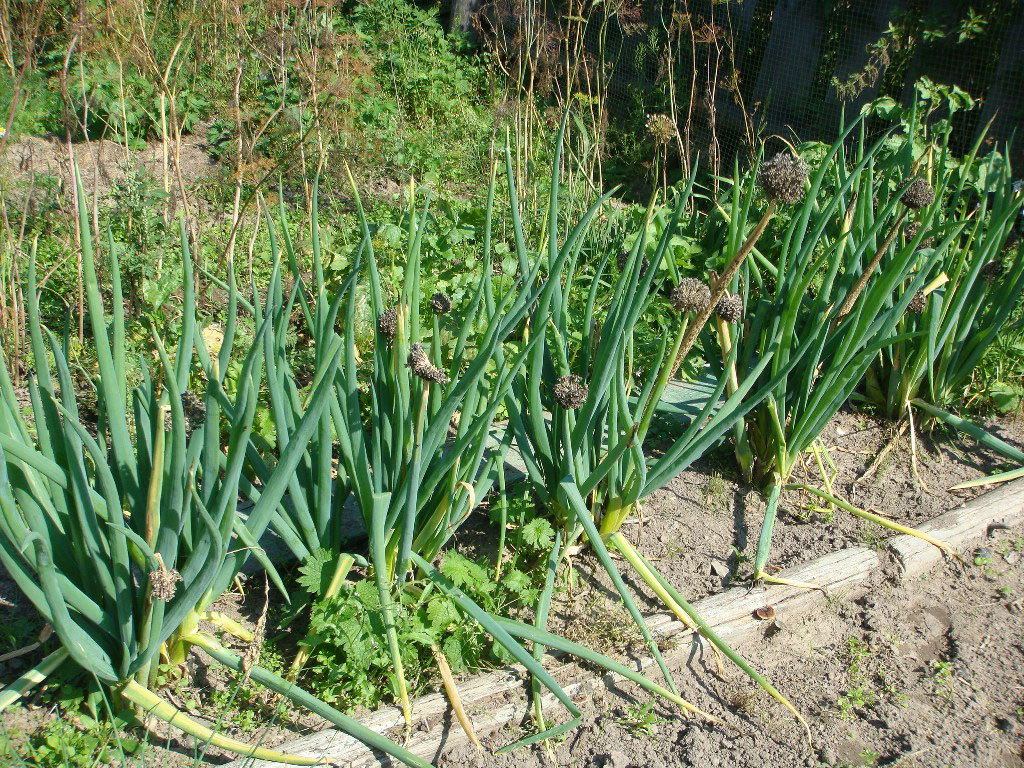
x=921, y=674
x=925, y=673
x=918, y=674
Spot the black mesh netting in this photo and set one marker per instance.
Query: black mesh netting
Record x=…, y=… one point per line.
x=730, y=71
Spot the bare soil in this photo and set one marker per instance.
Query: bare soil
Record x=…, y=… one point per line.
x=920, y=674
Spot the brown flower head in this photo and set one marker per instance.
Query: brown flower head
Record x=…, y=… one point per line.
x=918, y=303
x=918, y=194
x=164, y=583
x=441, y=303
x=570, y=391
x=422, y=367
x=691, y=295
x=783, y=177
x=730, y=307
x=195, y=410
x=992, y=270
x=387, y=324
x=662, y=128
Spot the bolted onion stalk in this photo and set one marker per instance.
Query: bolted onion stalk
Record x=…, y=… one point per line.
x=730, y=307
x=163, y=582
x=917, y=304
x=691, y=295
x=387, y=324
x=918, y=194
x=783, y=178
x=420, y=364
x=441, y=303
x=570, y=391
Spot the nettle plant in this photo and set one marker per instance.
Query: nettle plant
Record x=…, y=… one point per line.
x=581, y=412
x=827, y=291
x=406, y=443
x=124, y=531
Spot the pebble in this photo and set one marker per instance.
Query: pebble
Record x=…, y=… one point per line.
x=719, y=568
x=1012, y=557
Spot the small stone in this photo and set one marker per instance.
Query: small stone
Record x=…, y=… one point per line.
x=719, y=568
x=1011, y=557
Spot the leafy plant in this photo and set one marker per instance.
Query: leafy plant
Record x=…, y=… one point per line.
x=817, y=289
x=100, y=522
x=580, y=418
x=974, y=289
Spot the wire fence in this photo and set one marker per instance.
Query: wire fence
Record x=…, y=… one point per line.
x=730, y=71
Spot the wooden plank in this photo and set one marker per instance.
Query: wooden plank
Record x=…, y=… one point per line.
x=960, y=527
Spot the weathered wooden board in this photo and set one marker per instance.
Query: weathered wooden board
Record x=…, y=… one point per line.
x=960, y=526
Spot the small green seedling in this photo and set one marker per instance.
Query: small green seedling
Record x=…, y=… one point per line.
x=942, y=679
x=640, y=719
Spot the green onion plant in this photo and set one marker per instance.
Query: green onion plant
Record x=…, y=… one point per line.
x=829, y=286
x=971, y=294
x=580, y=411
x=124, y=535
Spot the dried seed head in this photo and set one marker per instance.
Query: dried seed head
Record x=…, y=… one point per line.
x=168, y=422
x=917, y=304
x=992, y=270
x=645, y=263
x=570, y=391
x=164, y=583
x=730, y=307
x=918, y=194
x=783, y=177
x=422, y=367
x=195, y=411
x=441, y=303
x=1013, y=240
x=911, y=229
x=691, y=295
x=661, y=128
x=387, y=324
